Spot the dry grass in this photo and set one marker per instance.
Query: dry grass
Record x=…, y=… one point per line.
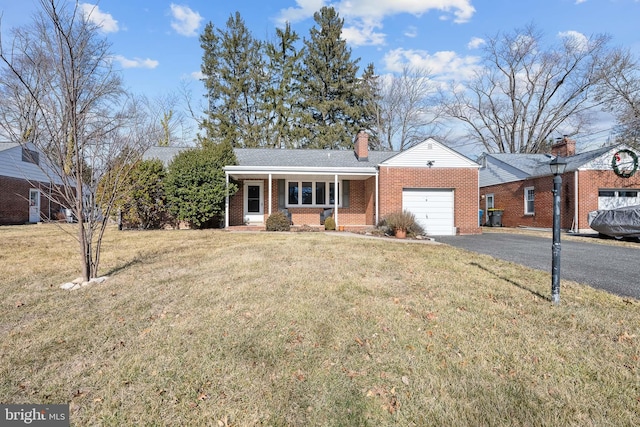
x=216, y=328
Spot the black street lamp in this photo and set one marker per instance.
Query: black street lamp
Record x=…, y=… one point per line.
x=557, y=166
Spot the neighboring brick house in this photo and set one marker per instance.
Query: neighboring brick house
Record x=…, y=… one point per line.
x=521, y=185
x=25, y=190
x=439, y=185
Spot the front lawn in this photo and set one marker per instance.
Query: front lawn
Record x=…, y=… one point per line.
x=218, y=328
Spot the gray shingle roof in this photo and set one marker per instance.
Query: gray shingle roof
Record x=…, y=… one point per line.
x=271, y=157
x=307, y=158
x=538, y=164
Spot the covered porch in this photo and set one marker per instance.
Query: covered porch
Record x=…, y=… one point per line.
x=304, y=193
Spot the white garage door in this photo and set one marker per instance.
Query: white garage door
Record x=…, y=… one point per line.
x=433, y=209
x=618, y=198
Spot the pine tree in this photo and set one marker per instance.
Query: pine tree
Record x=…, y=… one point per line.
x=332, y=100
x=282, y=102
x=371, y=93
x=234, y=77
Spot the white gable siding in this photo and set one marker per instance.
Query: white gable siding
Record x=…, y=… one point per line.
x=11, y=165
x=430, y=151
x=604, y=162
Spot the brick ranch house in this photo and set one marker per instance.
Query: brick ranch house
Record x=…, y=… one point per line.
x=521, y=185
x=25, y=190
x=436, y=183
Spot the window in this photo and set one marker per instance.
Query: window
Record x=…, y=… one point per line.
x=489, y=201
x=311, y=193
x=529, y=198
x=293, y=193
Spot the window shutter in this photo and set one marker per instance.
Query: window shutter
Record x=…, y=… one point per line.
x=281, y=194
x=345, y=193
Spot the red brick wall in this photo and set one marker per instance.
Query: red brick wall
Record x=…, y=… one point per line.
x=14, y=201
x=592, y=181
x=463, y=181
x=359, y=212
x=510, y=197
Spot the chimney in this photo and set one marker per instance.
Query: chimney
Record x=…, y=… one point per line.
x=362, y=146
x=565, y=147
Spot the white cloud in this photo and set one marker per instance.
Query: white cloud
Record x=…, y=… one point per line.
x=411, y=32
x=582, y=1
x=363, y=33
x=197, y=75
x=475, y=43
x=363, y=21
x=185, y=21
x=304, y=10
x=442, y=66
x=102, y=19
x=136, y=62
x=579, y=41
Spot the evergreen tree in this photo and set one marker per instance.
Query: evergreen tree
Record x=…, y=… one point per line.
x=370, y=86
x=282, y=101
x=195, y=185
x=332, y=99
x=234, y=77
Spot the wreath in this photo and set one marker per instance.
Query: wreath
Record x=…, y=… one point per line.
x=624, y=163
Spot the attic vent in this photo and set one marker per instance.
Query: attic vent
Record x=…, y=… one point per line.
x=429, y=146
x=30, y=156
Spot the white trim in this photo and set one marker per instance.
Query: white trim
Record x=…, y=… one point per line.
x=377, y=218
x=314, y=203
x=226, y=201
x=254, y=217
x=526, y=200
x=486, y=204
x=270, y=193
x=300, y=170
x=34, y=210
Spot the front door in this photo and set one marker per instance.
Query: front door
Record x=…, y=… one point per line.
x=253, y=202
x=34, y=205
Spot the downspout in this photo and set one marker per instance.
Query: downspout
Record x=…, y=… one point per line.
x=226, y=202
x=576, y=212
x=377, y=218
x=336, y=198
x=270, y=190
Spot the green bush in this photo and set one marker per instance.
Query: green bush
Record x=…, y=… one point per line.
x=195, y=185
x=278, y=221
x=330, y=223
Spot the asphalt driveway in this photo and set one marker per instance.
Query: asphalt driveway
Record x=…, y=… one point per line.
x=614, y=268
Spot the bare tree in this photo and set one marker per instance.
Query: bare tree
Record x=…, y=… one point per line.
x=407, y=113
x=524, y=94
x=168, y=113
x=64, y=98
x=619, y=91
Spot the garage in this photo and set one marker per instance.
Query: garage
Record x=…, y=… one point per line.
x=433, y=209
x=617, y=198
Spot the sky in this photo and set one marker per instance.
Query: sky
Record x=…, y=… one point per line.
x=155, y=42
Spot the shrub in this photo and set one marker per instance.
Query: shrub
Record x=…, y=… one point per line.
x=404, y=220
x=195, y=184
x=330, y=223
x=278, y=221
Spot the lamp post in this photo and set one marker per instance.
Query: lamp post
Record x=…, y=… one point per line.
x=557, y=166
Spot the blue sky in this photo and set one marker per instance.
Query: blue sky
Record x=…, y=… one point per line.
x=155, y=42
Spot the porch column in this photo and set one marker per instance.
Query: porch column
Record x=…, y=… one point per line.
x=269, y=210
x=376, y=220
x=226, y=201
x=336, y=198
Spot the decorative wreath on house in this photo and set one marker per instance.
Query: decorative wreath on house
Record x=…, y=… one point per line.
x=624, y=163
